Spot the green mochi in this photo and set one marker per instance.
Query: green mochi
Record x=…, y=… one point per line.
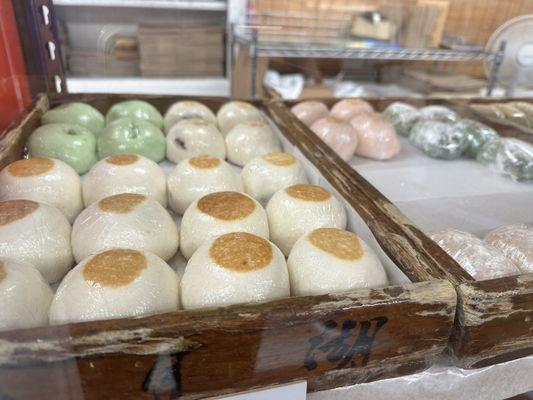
x=510, y=157
x=135, y=109
x=438, y=139
x=76, y=113
x=402, y=116
x=70, y=143
x=438, y=113
x=477, y=134
x=131, y=135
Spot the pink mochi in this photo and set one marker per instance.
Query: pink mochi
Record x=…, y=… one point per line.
x=377, y=137
x=349, y=108
x=310, y=111
x=338, y=135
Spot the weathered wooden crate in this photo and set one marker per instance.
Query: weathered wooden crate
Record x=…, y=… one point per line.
x=328, y=340
x=494, y=320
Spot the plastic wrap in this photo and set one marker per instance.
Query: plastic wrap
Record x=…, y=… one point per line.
x=195, y=177
x=438, y=139
x=76, y=113
x=116, y=283
x=526, y=108
x=477, y=134
x=44, y=180
x=234, y=268
x=26, y=297
x=37, y=234
x=310, y=111
x=236, y=112
x=247, y=140
x=125, y=220
x=488, y=110
x=265, y=175
x=347, y=109
x=194, y=137
x=298, y=209
x=329, y=260
x=509, y=156
x=219, y=213
x=516, y=242
x=377, y=138
x=481, y=260
x=137, y=109
x=403, y=116
x=513, y=114
x=125, y=173
x=72, y=144
x=129, y=135
x=338, y=135
x=185, y=110
x=438, y=113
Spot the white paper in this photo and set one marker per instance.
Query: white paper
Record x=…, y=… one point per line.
x=292, y=391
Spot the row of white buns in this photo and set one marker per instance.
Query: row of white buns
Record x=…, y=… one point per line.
x=238, y=132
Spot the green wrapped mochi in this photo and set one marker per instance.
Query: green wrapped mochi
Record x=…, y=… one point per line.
x=70, y=143
x=131, y=135
x=402, y=116
x=477, y=134
x=510, y=157
x=438, y=113
x=135, y=109
x=438, y=139
x=76, y=113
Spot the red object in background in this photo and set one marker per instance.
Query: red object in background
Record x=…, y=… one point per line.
x=15, y=95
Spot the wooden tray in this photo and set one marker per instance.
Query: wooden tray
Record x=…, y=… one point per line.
x=494, y=321
x=328, y=340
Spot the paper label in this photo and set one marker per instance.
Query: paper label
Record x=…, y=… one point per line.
x=292, y=391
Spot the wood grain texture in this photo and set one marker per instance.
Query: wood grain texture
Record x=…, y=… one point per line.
x=330, y=339
x=494, y=318
x=417, y=255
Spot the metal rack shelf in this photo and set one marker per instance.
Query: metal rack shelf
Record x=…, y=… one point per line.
x=258, y=48
x=200, y=5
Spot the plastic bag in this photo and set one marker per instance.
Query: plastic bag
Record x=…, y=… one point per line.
x=403, y=116
x=516, y=242
x=511, y=157
x=513, y=114
x=438, y=139
x=477, y=134
x=478, y=258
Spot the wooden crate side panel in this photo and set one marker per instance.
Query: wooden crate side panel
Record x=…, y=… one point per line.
x=494, y=321
x=364, y=334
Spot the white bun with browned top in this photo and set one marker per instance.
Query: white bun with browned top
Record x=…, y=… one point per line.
x=37, y=234
x=194, y=137
x=125, y=173
x=25, y=295
x=44, y=180
x=195, y=177
x=265, y=175
x=298, y=209
x=330, y=260
x=237, y=267
x=219, y=213
x=248, y=140
x=125, y=220
x=187, y=109
x=234, y=113
x=116, y=283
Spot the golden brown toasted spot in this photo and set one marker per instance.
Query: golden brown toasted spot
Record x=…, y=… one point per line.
x=303, y=191
x=12, y=210
x=279, y=159
x=204, y=162
x=3, y=272
x=256, y=124
x=241, y=251
x=122, y=159
x=342, y=244
x=243, y=104
x=114, y=268
x=227, y=206
x=30, y=167
x=121, y=203
x=188, y=103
